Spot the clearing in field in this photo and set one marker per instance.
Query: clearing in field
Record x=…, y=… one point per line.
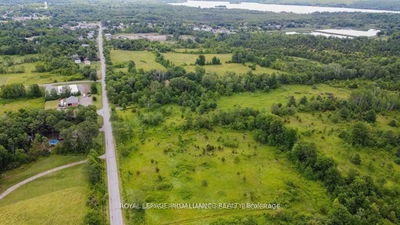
x=166, y=164
x=143, y=59
x=188, y=62
x=55, y=199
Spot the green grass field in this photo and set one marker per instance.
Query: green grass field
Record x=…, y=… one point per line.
x=53, y=104
x=188, y=60
x=262, y=100
x=143, y=59
x=11, y=177
x=31, y=77
x=377, y=164
x=16, y=104
x=55, y=199
x=146, y=60
x=173, y=166
x=169, y=164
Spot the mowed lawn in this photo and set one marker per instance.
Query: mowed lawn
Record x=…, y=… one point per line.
x=30, y=76
x=15, y=105
x=143, y=59
x=188, y=62
x=171, y=166
x=56, y=199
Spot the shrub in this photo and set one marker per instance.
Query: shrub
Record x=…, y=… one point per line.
x=393, y=123
x=356, y=159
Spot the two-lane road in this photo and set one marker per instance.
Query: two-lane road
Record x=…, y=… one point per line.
x=112, y=169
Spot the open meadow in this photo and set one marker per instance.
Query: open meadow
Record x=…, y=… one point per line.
x=55, y=199
x=146, y=60
x=29, y=76
x=164, y=164
x=264, y=101
x=320, y=129
x=143, y=59
x=13, y=105
x=188, y=60
x=25, y=171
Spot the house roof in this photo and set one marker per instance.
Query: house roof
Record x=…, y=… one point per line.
x=72, y=100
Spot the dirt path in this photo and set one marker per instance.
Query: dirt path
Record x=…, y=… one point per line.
x=15, y=186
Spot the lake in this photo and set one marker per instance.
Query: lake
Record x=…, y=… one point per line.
x=298, y=9
x=340, y=33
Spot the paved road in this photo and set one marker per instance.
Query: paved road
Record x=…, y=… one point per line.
x=14, y=187
x=112, y=169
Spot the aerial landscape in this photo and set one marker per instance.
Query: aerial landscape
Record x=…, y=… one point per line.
x=193, y=112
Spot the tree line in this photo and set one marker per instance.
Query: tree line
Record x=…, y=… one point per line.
x=24, y=134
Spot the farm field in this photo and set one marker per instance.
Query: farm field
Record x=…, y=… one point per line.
x=31, y=77
x=188, y=60
x=169, y=165
x=25, y=171
x=143, y=59
x=16, y=104
x=58, y=198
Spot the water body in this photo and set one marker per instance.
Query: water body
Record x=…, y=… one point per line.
x=298, y=9
x=316, y=33
x=351, y=32
x=340, y=33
